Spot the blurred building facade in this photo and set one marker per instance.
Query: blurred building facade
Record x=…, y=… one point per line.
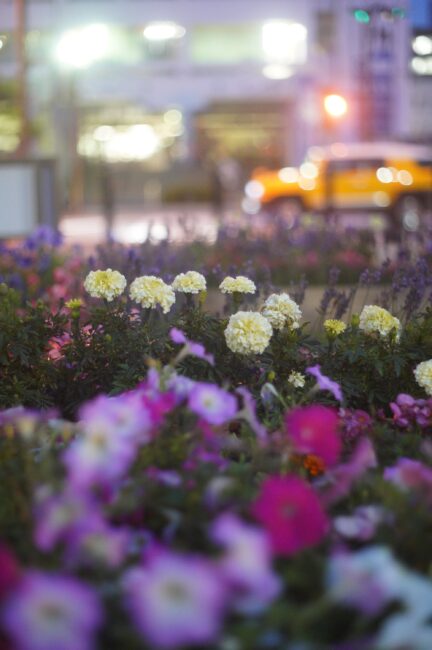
x=160, y=81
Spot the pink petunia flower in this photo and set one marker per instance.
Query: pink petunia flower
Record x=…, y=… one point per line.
x=291, y=512
x=314, y=430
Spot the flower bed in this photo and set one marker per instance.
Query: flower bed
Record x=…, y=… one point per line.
x=171, y=478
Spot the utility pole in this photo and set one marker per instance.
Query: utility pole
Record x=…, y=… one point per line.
x=22, y=95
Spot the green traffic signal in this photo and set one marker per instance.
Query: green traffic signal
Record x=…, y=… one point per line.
x=361, y=16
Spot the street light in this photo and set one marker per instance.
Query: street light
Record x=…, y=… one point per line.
x=336, y=106
x=79, y=48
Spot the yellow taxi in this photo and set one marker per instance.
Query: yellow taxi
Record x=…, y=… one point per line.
x=395, y=178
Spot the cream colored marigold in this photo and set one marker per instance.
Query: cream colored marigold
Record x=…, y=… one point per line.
x=248, y=332
x=190, y=282
x=239, y=284
x=377, y=320
x=150, y=291
x=296, y=379
x=423, y=375
x=282, y=310
x=106, y=284
x=334, y=327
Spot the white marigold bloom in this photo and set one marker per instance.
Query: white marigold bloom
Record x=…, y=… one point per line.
x=106, y=284
x=423, y=375
x=296, y=379
x=190, y=282
x=239, y=284
x=282, y=310
x=150, y=291
x=374, y=319
x=248, y=332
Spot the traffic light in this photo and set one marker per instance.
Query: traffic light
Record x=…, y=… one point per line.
x=378, y=9
x=362, y=16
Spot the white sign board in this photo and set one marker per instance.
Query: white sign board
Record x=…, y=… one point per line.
x=27, y=197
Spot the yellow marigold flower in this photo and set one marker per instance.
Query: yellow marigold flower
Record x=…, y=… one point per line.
x=377, y=320
x=150, y=291
x=106, y=284
x=190, y=282
x=248, y=332
x=423, y=375
x=297, y=379
x=74, y=304
x=282, y=310
x=334, y=327
x=239, y=284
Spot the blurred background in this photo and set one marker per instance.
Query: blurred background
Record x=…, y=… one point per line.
x=117, y=116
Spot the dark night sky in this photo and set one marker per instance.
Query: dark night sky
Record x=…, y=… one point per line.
x=421, y=13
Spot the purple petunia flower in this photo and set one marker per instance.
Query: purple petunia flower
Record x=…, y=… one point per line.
x=175, y=600
x=366, y=580
x=362, y=524
x=58, y=516
x=51, y=612
x=325, y=383
x=248, y=413
x=191, y=347
x=340, y=480
x=408, y=411
x=113, y=427
x=212, y=403
x=411, y=474
x=246, y=564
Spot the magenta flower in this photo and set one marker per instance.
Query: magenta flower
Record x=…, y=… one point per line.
x=314, y=430
x=408, y=411
x=325, y=383
x=175, y=600
x=291, y=512
x=355, y=423
x=9, y=570
x=246, y=564
x=212, y=403
x=51, y=612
